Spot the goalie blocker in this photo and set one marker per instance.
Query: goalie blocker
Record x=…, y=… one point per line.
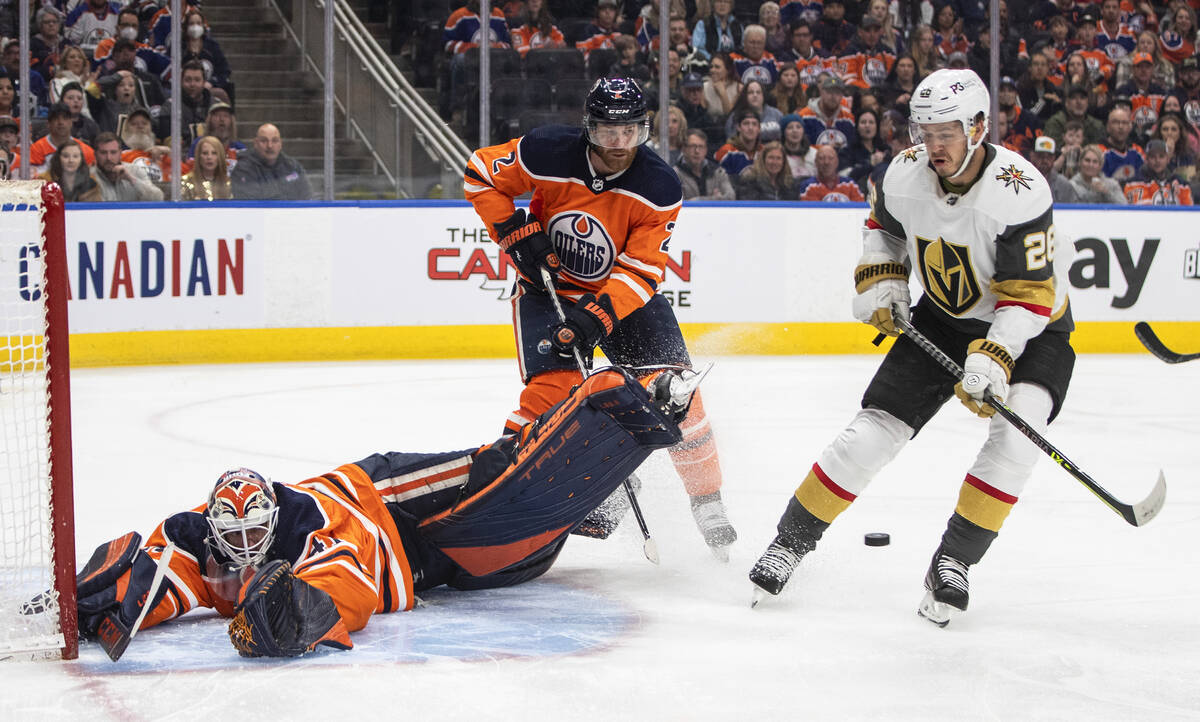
x=364, y=538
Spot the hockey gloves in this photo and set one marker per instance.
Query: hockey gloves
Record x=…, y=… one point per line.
x=987, y=368
x=282, y=616
x=523, y=239
x=881, y=286
x=588, y=323
x=112, y=587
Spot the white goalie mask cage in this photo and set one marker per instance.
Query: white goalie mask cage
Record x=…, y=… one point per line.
x=950, y=95
x=241, y=514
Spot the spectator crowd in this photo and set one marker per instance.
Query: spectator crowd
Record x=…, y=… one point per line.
x=98, y=95
x=806, y=99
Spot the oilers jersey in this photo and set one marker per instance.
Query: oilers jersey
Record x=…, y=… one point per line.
x=610, y=232
x=991, y=246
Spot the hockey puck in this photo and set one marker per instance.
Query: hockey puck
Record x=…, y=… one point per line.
x=877, y=539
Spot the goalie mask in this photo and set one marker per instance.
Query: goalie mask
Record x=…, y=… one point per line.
x=950, y=95
x=241, y=515
x=615, y=114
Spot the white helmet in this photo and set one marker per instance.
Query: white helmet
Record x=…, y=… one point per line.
x=947, y=95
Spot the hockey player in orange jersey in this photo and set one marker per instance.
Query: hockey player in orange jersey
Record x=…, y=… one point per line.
x=301, y=565
x=600, y=219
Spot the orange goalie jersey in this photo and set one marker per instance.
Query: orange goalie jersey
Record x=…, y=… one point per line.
x=334, y=529
x=614, y=242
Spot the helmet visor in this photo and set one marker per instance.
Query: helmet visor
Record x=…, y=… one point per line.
x=938, y=134
x=606, y=134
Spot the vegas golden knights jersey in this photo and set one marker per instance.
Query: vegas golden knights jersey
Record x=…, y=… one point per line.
x=973, y=252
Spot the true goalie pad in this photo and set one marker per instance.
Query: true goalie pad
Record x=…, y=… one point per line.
x=279, y=615
x=571, y=460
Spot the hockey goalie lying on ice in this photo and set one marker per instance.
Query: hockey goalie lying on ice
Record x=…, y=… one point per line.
x=301, y=565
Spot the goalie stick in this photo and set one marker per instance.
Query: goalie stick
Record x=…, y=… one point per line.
x=114, y=636
x=649, y=548
x=1150, y=340
x=1136, y=514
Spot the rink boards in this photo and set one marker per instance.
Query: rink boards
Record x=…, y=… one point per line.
x=166, y=283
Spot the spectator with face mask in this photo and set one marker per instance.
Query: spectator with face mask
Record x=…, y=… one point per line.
x=201, y=48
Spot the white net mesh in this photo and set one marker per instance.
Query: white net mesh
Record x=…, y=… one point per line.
x=26, y=537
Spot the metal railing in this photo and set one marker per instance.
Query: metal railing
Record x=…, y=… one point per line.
x=382, y=108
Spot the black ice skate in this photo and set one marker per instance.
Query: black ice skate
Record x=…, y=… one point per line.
x=713, y=523
x=773, y=569
x=605, y=519
x=946, y=588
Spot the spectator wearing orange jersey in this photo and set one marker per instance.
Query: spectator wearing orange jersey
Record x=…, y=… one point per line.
x=827, y=185
x=601, y=32
x=143, y=151
x=1155, y=184
x=810, y=61
x=58, y=122
x=1145, y=95
x=948, y=34
x=537, y=29
x=1178, y=40
x=866, y=61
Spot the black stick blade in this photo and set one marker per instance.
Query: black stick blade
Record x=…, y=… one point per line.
x=1154, y=345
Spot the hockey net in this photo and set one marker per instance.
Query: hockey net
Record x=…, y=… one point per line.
x=37, y=534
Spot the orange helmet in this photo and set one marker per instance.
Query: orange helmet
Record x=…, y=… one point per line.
x=241, y=515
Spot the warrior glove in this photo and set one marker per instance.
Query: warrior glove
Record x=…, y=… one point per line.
x=987, y=369
x=280, y=615
x=588, y=323
x=523, y=239
x=881, y=285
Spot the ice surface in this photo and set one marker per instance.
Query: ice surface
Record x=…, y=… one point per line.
x=1074, y=614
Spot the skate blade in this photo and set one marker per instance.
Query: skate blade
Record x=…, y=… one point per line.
x=759, y=595
x=935, y=611
x=683, y=388
x=720, y=553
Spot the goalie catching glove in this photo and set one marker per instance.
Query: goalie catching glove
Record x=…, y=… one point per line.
x=522, y=238
x=587, y=323
x=882, y=285
x=279, y=615
x=987, y=369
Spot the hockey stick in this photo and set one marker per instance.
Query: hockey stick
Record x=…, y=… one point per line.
x=649, y=548
x=1137, y=514
x=114, y=636
x=1150, y=340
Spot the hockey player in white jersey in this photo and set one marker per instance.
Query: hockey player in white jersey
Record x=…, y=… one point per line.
x=973, y=222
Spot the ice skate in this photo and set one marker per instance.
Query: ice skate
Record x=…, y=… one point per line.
x=673, y=390
x=605, y=519
x=945, y=589
x=773, y=569
x=709, y=512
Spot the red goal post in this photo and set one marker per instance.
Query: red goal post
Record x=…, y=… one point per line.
x=37, y=527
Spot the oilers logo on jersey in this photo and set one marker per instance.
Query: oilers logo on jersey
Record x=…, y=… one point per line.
x=584, y=246
x=948, y=274
x=831, y=136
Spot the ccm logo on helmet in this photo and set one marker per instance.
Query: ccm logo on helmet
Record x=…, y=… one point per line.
x=584, y=246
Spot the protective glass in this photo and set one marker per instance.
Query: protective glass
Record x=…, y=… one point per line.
x=617, y=135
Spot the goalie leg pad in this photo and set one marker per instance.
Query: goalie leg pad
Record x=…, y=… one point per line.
x=566, y=465
x=279, y=615
x=113, y=588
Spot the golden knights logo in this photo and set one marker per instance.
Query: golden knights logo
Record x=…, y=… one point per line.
x=910, y=155
x=948, y=275
x=1014, y=177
